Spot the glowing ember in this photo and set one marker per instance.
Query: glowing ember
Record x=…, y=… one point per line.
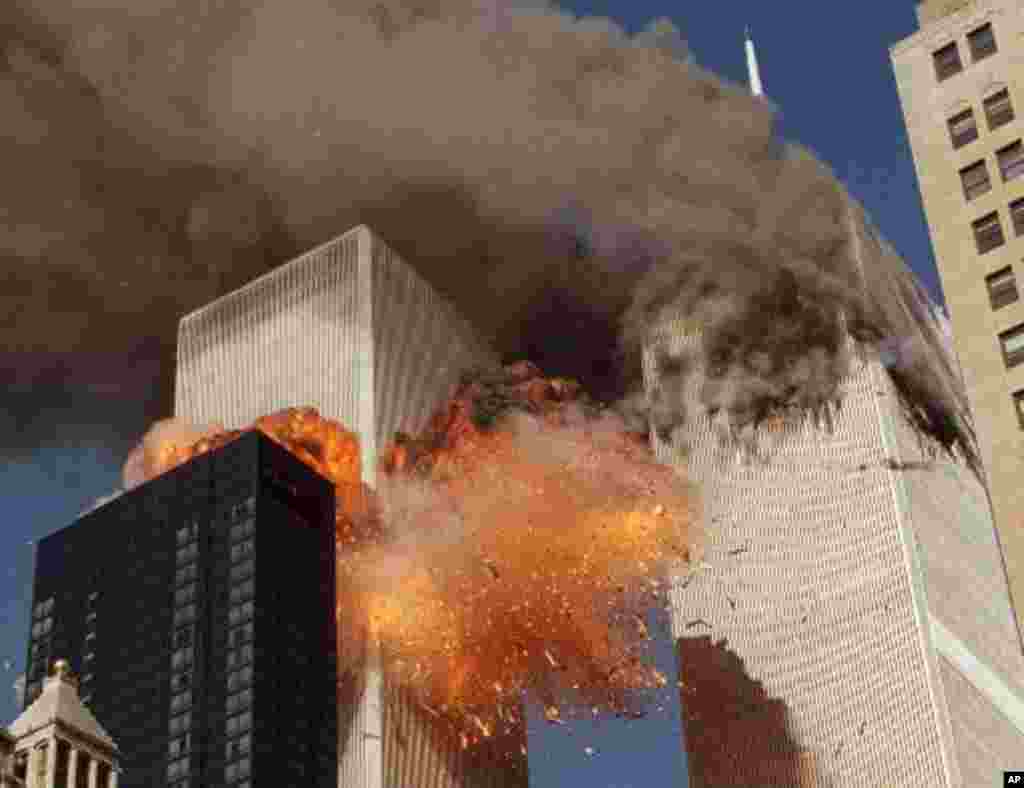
x=514, y=546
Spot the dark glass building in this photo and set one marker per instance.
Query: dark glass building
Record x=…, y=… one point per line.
x=198, y=612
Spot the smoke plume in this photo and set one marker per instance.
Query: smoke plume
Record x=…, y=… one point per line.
x=166, y=151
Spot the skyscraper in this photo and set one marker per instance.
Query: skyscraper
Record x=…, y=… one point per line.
x=857, y=574
x=350, y=329
x=960, y=86
x=198, y=610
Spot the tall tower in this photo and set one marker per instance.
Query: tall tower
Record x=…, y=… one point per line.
x=960, y=86
x=836, y=571
x=58, y=742
x=350, y=329
x=753, y=72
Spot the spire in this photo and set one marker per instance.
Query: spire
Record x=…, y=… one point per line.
x=753, y=74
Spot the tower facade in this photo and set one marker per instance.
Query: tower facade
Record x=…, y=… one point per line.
x=202, y=648
x=350, y=329
x=961, y=89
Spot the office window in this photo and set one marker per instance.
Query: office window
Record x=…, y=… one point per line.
x=240, y=678
x=184, y=615
x=181, y=658
x=1002, y=287
x=184, y=595
x=243, y=590
x=242, y=634
x=988, y=232
x=242, y=529
x=242, y=570
x=237, y=770
x=181, y=701
x=239, y=701
x=93, y=596
x=188, y=533
x=962, y=128
x=180, y=724
x=240, y=655
x=183, y=637
x=239, y=746
x=982, y=42
x=181, y=681
x=998, y=109
x=1012, y=344
x=176, y=769
x=240, y=613
x=1018, y=405
x=947, y=61
x=186, y=574
x=1011, y=161
x=239, y=724
x=241, y=550
x=1017, y=216
x=975, y=180
x=188, y=553
x=179, y=746
x=43, y=608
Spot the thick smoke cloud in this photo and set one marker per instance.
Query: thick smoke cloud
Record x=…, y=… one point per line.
x=166, y=151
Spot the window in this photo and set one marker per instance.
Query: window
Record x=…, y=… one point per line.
x=239, y=746
x=1018, y=405
x=998, y=109
x=188, y=533
x=239, y=701
x=176, y=769
x=975, y=180
x=1012, y=344
x=243, y=634
x=181, y=701
x=239, y=724
x=236, y=770
x=188, y=553
x=184, y=595
x=184, y=615
x=43, y=608
x=1017, y=215
x=41, y=628
x=181, y=723
x=93, y=596
x=240, y=613
x=88, y=656
x=181, y=658
x=185, y=574
x=947, y=61
x=183, y=637
x=241, y=550
x=982, y=42
x=240, y=678
x=962, y=128
x=180, y=746
x=87, y=678
x=988, y=233
x=242, y=530
x=242, y=570
x=1011, y=161
x=90, y=617
x=1002, y=288
x=242, y=591
x=240, y=656
x=181, y=681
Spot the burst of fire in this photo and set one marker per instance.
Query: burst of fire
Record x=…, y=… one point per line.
x=514, y=546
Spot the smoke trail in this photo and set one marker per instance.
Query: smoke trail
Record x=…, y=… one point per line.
x=169, y=150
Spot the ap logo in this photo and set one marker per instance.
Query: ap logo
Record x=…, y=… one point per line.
x=1013, y=778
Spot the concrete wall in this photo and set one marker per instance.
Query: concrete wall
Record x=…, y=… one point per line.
x=927, y=105
x=351, y=330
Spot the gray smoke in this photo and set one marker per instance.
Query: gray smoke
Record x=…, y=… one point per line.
x=166, y=151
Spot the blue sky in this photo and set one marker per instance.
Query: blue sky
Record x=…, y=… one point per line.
x=826, y=68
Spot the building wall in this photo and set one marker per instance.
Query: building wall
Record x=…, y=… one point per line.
x=812, y=577
x=351, y=330
x=927, y=105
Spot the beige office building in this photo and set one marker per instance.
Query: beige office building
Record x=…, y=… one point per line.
x=961, y=83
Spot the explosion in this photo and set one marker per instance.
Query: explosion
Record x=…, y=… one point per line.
x=515, y=546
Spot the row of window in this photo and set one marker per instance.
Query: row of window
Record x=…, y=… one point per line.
x=43, y=608
x=981, y=42
x=975, y=178
x=988, y=230
x=183, y=638
x=963, y=127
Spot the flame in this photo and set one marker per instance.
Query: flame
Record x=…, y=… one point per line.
x=513, y=546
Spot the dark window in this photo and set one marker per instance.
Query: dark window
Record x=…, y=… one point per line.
x=988, y=233
x=1017, y=215
x=1011, y=161
x=1002, y=288
x=998, y=109
x=181, y=723
x=1018, y=404
x=947, y=61
x=184, y=615
x=975, y=180
x=982, y=42
x=1012, y=344
x=962, y=128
